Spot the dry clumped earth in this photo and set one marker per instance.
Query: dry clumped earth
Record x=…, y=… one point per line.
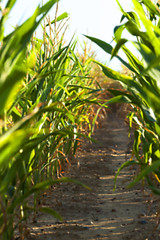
x=99, y=214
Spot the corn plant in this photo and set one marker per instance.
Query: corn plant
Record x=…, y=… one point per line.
x=141, y=89
x=45, y=95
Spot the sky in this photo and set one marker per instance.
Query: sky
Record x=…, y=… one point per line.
x=91, y=17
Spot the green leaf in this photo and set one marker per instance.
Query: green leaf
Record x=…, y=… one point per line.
x=157, y=128
x=151, y=63
x=118, y=31
x=157, y=153
x=16, y=114
x=145, y=172
x=153, y=101
x=153, y=9
x=113, y=74
x=135, y=64
x=12, y=53
x=94, y=120
x=155, y=190
x=8, y=7
x=42, y=186
x=59, y=18
x=105, y=46
x=119, y=44
x=8, y=146
x=46, y=7
x=153, y=39
x=125, y=14
x=108, y=49
x=124, y=165
x=135, y=18
x=119, y=99
x=133, y=28
x=51, y=212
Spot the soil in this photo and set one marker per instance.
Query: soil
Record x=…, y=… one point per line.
x=100, y=214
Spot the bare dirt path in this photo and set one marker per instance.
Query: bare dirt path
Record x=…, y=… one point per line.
x=101, y=213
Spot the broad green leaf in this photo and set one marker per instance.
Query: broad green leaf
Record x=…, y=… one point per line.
x=157, y=153
x=149, y=114
x=151, y=64
x=59, y=18
x=9, y=147
x=157, y=128
x=118, y=31
x=113, y=74
x=153, y=101
x=135, y=18
x=153, y=39
x=135, y=64
x=4, y=17
x=126, y=97
x=153, y=9
x=105, y=46
x=118, y=46
x=133, y=28
x=108, y=49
